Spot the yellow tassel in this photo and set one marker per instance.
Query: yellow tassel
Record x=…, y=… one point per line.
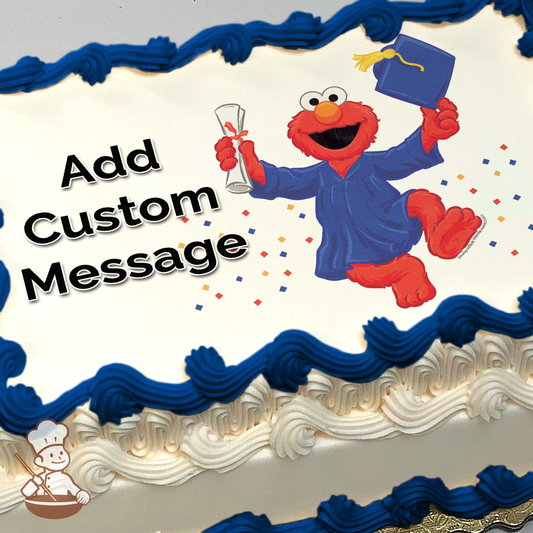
x=367, y=60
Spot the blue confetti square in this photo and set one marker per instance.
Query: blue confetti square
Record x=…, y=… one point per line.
x=530, y=227
x=283, y=254
x=207, y=223
x=492, y=243
x=251, y=231
x=486, y=161
x=444, y=182
x=516, y=197
x=302, y=215
x=199, y=307
x=512, y=162
x=239, y=278
x=282, y=289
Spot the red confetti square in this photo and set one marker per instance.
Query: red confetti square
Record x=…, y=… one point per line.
x=309, y=240
x=246, y=212
x=503, y=147
x=287, y=272
x=264, y=254
x=218, y=295
x=514, y=252
x=496, y=201
x=258, y=302
x=473, y=191
x=185, y=219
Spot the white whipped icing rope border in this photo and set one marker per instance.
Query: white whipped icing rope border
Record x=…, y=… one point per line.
x=160, y=448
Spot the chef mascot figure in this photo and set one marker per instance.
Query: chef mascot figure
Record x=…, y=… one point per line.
x=47, y=441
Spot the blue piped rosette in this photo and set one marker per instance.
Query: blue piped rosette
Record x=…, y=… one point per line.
x=118, y=391
x=381, y=19
x=408, y=504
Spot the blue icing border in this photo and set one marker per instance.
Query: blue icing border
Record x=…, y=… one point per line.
x=407, y=504
x=381, y=19
x=118, y=391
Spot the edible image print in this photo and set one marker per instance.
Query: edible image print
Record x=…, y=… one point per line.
x=368, y=227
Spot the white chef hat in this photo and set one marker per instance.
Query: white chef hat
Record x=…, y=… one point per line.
x=46, y=434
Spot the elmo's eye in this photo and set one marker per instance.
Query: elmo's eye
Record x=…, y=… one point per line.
x=310, y=100
x=52, y=455
x=335, y=94
x=60, y=453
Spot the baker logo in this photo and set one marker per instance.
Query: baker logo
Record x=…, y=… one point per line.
x=51, y=493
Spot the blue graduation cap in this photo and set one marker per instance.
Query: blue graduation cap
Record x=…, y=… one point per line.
x=414, y=71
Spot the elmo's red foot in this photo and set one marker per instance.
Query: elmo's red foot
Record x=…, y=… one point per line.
x=414, y=288
x=405, y=274
x=453, y=233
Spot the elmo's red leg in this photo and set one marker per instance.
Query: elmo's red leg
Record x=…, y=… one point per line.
x=428, y=208
x=405, y=274
x=447, y=232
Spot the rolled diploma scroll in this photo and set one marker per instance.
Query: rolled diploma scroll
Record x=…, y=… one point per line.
x=237, y=181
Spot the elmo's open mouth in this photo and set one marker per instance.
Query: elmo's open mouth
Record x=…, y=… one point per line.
x=336, y=138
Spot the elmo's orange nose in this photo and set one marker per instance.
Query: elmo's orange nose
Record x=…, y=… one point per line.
x=327, y=112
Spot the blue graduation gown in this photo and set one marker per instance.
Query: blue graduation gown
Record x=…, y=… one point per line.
x=364, y=218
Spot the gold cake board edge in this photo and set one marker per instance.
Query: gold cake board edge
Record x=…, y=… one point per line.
x=513, y=518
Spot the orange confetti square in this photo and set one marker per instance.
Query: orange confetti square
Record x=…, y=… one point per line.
x=205, y=288
x=460, y=176
x=282, y=239
x=220, y=235
x=501, y=219
x=265, y=273
x=181, y=246
x=290, y=207
x=497, y=173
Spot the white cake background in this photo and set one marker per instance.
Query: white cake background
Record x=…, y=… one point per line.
x=153, y=324
x=78, y=348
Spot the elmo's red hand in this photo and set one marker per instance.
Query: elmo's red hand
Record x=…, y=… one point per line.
x=439, y=124
x=225, y=154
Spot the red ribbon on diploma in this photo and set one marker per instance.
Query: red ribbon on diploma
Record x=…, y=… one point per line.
x=236, y=136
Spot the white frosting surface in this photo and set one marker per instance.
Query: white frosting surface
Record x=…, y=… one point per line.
x=286, y=490
x=153, y=324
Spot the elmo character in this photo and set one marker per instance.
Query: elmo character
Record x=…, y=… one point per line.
x=368, y=226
